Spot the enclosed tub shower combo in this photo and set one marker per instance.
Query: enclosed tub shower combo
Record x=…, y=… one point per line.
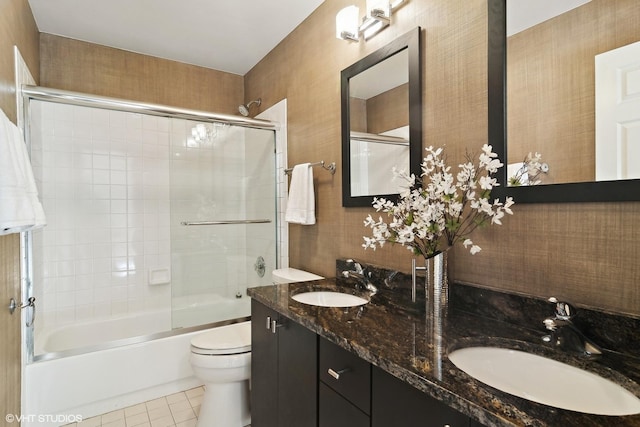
x=159, y=219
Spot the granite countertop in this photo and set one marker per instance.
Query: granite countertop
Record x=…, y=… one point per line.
x=399, y=337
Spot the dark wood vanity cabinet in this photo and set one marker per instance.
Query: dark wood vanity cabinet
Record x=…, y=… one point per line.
x=396, y=403
x=299, y=379
x=284, y=371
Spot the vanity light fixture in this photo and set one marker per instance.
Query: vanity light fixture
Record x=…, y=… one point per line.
x=378, y=16
x=347, y=23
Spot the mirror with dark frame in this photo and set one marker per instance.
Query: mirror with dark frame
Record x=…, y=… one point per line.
x=381, y=100
x=578, y=163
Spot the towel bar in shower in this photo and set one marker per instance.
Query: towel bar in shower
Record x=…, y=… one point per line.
x=231, y=221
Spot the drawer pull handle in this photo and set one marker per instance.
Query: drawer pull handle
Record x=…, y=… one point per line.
x=336, y=374
x=268, y=322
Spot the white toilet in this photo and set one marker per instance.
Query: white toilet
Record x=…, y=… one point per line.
x=221, y=359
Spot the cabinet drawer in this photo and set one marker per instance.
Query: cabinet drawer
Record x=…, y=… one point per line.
x=336, y=411
x=347, y=374
x=396, y=403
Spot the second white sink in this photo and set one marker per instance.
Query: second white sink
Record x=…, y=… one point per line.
x=329, y=299
x=545, y=381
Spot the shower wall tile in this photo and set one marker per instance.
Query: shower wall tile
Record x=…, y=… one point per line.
x=278, y=114
x=102, y=178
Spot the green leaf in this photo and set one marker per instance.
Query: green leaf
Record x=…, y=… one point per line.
x=452, y=225
x=409, y=219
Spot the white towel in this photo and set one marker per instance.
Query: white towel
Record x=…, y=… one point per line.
x=20, y=209
x=301, y=206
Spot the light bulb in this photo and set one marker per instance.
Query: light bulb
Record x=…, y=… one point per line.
x=347, y=23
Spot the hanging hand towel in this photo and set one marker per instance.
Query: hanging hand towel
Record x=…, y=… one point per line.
x=301, y=206
x=20, y=209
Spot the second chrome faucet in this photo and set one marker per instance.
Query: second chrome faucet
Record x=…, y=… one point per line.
x=565, y=334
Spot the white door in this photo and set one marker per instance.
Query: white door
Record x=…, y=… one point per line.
x=618, y=113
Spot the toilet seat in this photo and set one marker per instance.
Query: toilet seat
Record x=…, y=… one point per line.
x=224, y=340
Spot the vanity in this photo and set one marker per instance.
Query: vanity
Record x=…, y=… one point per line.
x=386, y=363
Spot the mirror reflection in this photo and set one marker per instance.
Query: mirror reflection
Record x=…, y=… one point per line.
x=573, y=91
x=379, y=125
x=381, y=120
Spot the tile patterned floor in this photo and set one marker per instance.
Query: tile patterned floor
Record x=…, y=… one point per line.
x=176, y=410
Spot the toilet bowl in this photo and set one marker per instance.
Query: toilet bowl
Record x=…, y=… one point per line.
x=221, y=359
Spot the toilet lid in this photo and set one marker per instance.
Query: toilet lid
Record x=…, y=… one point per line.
x=229, y=339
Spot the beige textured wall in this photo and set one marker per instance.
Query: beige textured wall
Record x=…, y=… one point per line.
x=389, y=110
x=17, y=27
x=89, y=68
x=381, y=113
x=587, y=253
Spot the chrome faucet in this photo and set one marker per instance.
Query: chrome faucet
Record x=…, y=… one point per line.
x=361, y=275
x=565, y=333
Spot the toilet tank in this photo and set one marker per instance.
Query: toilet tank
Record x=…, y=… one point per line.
x=292, y=275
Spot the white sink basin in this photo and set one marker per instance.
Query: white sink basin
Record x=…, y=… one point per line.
x=545, y=381
x=329, y=299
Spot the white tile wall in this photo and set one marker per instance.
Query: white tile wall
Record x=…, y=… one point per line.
x=105, y=188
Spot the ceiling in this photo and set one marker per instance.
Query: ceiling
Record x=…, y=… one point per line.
x=231, y=35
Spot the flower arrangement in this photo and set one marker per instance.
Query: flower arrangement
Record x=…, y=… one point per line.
x=437, y=210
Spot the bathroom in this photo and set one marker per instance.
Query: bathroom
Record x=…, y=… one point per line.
x=585, y=252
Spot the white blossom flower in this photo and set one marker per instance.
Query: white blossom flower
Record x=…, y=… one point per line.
x=474, y=248
x=440, y=208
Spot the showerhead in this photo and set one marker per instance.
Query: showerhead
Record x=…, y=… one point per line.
x=244, y=109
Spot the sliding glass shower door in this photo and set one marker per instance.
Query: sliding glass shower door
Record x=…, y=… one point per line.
x=223, y=215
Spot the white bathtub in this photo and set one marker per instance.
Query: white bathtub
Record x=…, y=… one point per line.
x=101, y=381
x=97, y=332
x=200, y=309
x=188, y=311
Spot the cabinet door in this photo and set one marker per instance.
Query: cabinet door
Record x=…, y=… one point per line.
x=284, y=371
x=336, y=411
x=395, y=403
x=297, y=375
x=264, y=368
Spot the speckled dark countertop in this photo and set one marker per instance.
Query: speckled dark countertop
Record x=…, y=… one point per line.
x=397, y=336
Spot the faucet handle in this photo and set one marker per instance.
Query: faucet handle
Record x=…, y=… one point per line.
x=356, y=265
x=564, y=310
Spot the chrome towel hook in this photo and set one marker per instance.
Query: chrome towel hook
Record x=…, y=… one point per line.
x=31, y=302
